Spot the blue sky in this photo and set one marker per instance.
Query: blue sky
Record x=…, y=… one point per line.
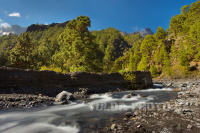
x=124, y=15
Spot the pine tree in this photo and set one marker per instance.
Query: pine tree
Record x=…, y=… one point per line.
x=136, y=58
x=108, y=58
x=22, y=55
x=182, y=55
x=78, y=50
x=143, y=64
x=148, y=45
x=157, y=57
x=160, y=34
x=174, y=53
x=131, y=62
x=153, y=70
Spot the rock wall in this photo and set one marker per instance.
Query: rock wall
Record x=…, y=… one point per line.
x=31, y=81
x=35, y=27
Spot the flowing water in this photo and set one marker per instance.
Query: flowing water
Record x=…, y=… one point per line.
x=88, y=115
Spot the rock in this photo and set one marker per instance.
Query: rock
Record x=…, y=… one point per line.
x=65, y=102
x=178, y=111
x=112, y=119
x=164, y=114
x=133, y=94
x=169, y=84
x=141, y=95
x=113, y=126
x=186, y=110
x=128, y=114
x=125, y=119
x=189, y=126
x=93, y=127
x=129, y=96
x=136, y=113
x=64, y=95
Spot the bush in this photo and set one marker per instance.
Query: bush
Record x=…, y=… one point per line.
x=52, y=68
x=130, y=78
x=122, y=71
x=178, y=71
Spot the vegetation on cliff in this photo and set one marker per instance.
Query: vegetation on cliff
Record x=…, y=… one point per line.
x=74, y=48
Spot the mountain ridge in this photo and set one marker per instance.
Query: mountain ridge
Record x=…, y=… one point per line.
x=143, y=33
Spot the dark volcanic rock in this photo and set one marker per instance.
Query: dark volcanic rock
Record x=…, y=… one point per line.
x=35, y=27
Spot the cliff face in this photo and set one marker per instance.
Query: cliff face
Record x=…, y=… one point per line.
x=49, y=82
x=35, y=27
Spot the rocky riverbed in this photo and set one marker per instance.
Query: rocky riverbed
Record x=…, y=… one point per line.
x=179, y=115
x=24, y=100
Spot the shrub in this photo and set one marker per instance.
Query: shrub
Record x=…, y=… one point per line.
x=130, y=78
x=178, y=71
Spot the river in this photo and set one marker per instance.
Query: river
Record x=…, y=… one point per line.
x=88, y=115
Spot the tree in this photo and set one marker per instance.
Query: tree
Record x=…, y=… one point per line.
x=131, y=63
x=160, y=34
x=157, y=57
x=185, y=9
x=118, y=65
x=22, y=55
x=182, y=55
x=78, y=51
x=148, y=45
x=176, y=24
x=108, y=58
x=174, y=53
x=153, y=70
x=143, y=64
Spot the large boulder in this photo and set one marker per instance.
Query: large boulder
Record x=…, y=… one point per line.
x=64, y=96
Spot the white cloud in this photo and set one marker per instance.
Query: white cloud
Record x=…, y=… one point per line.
x=46, y=24
x=14, y=14
x=4, y=25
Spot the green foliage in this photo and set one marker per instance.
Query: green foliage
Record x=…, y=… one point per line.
x=148, y=45
x=23, y=54
x=78, y=51
x=52, y=68
x=160, y=34
x=122, y=71
x=178, y=71
x=157, y=57
x=118, y=65
x=153, y=71
x=130, y=78
x=174, y=53
x=143, y=64
x=183, y=59
x=75, y=48
x=7, y=42
x=131, y=65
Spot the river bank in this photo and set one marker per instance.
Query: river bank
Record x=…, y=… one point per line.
x=180, y=115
